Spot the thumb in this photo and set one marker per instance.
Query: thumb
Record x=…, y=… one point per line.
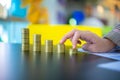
x=88, y=47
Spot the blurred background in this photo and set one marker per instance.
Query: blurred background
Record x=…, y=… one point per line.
x=18, y=14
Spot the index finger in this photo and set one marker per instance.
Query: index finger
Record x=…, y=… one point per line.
x=67, y=36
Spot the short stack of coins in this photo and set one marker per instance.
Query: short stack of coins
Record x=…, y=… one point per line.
x=60, y=48
x=37, y=43
x=49, y=46
x=25, y=39
x=72, y=51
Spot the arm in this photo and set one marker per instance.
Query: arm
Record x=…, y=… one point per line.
x=114, y=35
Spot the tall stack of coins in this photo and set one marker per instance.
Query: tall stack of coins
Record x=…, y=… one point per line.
x=49, y=46
x=25, y=39
x=60, y=48
x=37, y=43
x=72, y=51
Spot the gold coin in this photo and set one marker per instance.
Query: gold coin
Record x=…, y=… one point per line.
x=25, y=30
x=25, y=36
x=25, y=41
x=25, y=47
x=72, y=51
x=36, y=47
x=37, y=37
x=61, y=48
x=49, y=46
x=37, y=42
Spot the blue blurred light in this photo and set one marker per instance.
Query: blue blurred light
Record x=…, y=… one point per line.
x=79, y=16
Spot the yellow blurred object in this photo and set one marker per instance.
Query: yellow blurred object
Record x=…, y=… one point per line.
x=28, y=2
x=56, y=32
x=25, y=3
x=36, y=13
x=33, y=14
x=112, y=4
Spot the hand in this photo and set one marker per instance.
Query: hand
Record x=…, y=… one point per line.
x=93, y=42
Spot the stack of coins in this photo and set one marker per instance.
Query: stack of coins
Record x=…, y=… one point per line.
x=49, y=46
x=37, y=43
x=25, y=39
x=72, y=51
x=60, y=48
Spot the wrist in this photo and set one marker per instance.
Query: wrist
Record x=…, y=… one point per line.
x=109, y=42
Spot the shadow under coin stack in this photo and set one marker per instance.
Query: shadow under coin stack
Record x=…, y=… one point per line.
x=25, y=39
x=37, y=43
x=49, y=46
